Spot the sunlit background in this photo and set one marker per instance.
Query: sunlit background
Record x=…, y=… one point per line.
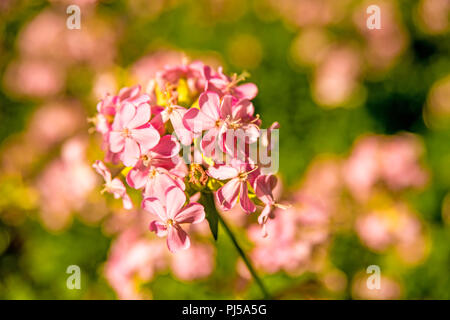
x=364, y=148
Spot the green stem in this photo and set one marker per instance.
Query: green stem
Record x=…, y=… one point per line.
x=241, y=252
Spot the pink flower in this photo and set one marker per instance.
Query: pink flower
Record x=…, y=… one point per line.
x=222, y=85
x=264, y=185
x=236, y=188
x=172, y=212
x=133, y=260
x=132, y=135
x=222, y=116
x=114, y=186
x=107, y=109
x=195, y=263
x=157, y=166
x=131, y=94
x=193, y=73
x=58, y=198
x=108, y=106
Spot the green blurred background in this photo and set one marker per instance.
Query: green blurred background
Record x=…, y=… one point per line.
x=321, y=74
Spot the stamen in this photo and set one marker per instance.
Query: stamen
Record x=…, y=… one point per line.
x=254, y=169
x=282, y=206
x=256, y=118
x=126, y=133
x=152, y=173
x=244, y=175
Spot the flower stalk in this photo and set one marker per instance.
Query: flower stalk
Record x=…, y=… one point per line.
x=211, y=209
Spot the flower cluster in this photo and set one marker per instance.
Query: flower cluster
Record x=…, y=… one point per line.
x=192, y=130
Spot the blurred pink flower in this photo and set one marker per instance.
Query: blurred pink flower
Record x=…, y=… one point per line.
x=302, y=13
x=53, y=122
x=393, y=227
x=392, y=160
x=336, y=77
x=389, y=289
x=433, y=15
x=147, y=67
x=374, y=229
x=291, y=239
x=400, y=162
x=65, y=184
x=361, y=169
x=195, y=263
x=133, y=260
x=34, y=78
x=385, y=45
x=43, y=36
x=47, y=37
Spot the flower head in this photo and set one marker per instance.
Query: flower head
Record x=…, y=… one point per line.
x=149, y=134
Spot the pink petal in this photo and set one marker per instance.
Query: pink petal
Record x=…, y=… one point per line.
x=146, y=137
x=158, y=185
x=264, y=216
x=226, y=107
x=143, y=99
x=154, y=206
x=234, y=142
x=159, y=228
x=247, y=90
x=126, y=201
x=252, y=133
x=167, y=147
x=223, y=172
x=174, y=201
x=116, y=141
x=131, y=153
x=264, y=185
x=177, y=239
x=141, y=117
x=127, y=93
x=190, y=122
x=209, y=103
x=246, y=204
x=192, y=213
x=208, y=142
x=214, y=85
x=196, y=121
x=166, y=163
x=228, y=194
x=243, y=109
x=126, y=113
x=117, y=188
x=262, y=219
x=138, y=176
x=101, y=169
x=157, y=122
x=185, y=136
